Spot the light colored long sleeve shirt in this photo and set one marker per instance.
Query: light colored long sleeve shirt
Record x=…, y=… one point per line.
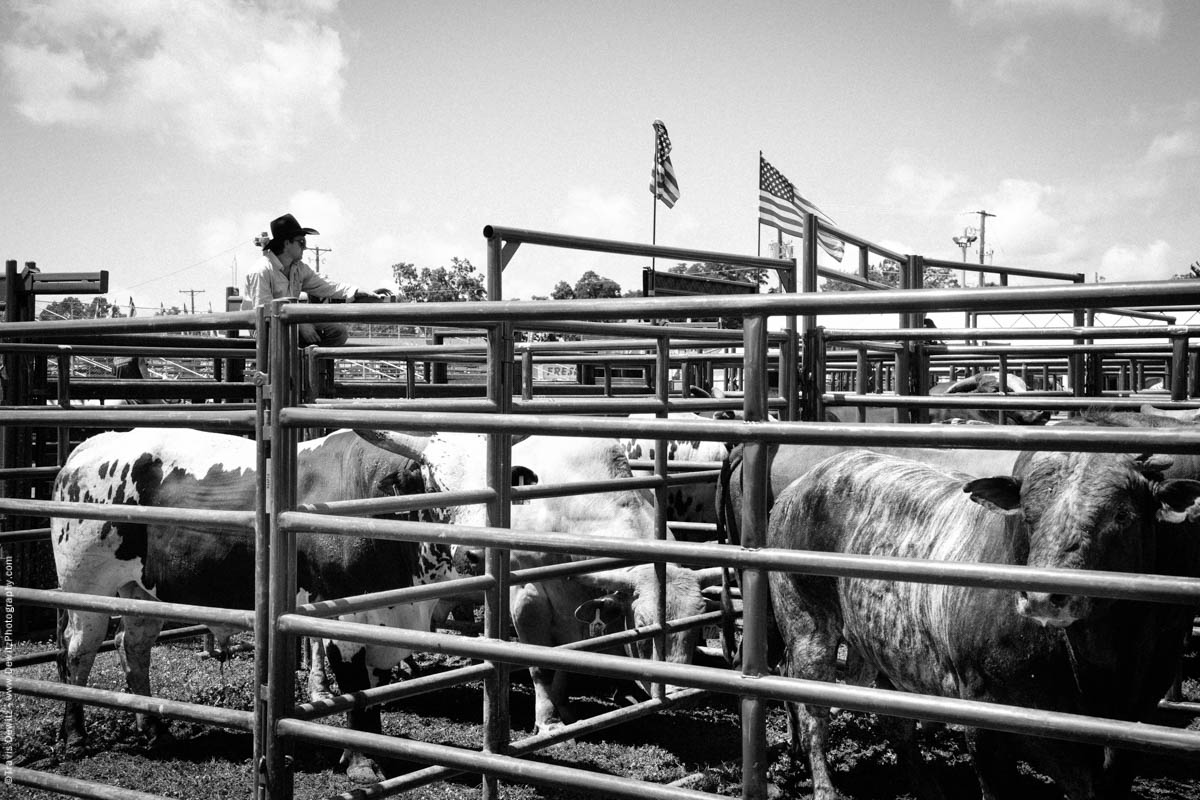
x=270, y=282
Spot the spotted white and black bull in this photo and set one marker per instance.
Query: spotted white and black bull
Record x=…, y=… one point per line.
x=176, y=563
x=1041, y=650
x=983, y=383
x=562, y=611
x=688, y=502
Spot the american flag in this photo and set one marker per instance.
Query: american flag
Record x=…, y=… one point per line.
x=780, y=206
x=662, y=178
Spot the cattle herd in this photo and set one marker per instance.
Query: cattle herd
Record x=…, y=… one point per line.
x=1062, y=652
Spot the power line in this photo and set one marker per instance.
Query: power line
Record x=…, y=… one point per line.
x=318, y=251
x=193, y=293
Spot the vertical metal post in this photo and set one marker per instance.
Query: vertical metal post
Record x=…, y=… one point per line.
x=12, y=368
x=262, y=554
x=496, y=722
x=662, y=392
x=1179, y=367
x=1002, y=375
x=755, y=599
x=789, y=385
x=820, y=379
x=284, y=350
x=527, y=374
x=64, y=401
x=807, y=283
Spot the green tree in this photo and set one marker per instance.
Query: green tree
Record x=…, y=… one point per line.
x=458, y=282
x=74, y=308
x=887, y=272
x=563, y=291
x=592, y=286
x=722, y=271
x=67, y=308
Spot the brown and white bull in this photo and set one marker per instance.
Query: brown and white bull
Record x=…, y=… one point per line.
x=176, y=563
x=1042, y=650
x=549, y=613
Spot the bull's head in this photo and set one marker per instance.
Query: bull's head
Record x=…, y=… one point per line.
x=631, y=595
x=1094, y=511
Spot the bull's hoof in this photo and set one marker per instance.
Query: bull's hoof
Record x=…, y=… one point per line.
x=158, y=735
x=360, y=768
x=74, y=745
x=552, y=726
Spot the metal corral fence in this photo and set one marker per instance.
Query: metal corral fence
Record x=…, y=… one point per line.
x=281, y=415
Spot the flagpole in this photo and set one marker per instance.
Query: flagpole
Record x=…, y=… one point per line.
x=758, y=230
x=654, y=196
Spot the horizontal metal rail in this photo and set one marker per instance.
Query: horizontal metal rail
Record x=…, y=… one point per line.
x=452, y=588
x=75, y=787
x=384, y=694
x=141, y=325
x=46, y=656
x=1128, y=586
x=1031, y=400
x=116, y=350
x=532, y=744
x=1004, y=437
x=179, y=612
x=26, y=473
x=935, y=334
x=222, y=417
x=400, y=504
x=997, y=270
x=954, y=711
x=142, y=704
x=486, y=315
x=30, y=535
x=595, y=784
x=523, y=236
x=224, y=521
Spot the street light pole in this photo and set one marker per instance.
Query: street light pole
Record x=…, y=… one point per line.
x=965, y=241
x=983, y=215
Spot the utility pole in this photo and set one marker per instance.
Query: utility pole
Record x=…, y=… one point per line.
x=318, y=251
x=193, y=293
x=983, y=215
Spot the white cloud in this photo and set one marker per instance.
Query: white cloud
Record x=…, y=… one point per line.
x=1136, y=19
x=1013, y=55
x=1170, y=146
x=319, y=210
x=1020, y=207
x=604, y=216
x=921, y=190
x=1131, y=263
x=238, y=82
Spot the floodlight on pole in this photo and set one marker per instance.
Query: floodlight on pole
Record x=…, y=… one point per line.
x=966, y=240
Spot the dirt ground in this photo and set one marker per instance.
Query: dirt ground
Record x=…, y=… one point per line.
x=697, y=747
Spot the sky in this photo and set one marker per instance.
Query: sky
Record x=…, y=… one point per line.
x=155, y=140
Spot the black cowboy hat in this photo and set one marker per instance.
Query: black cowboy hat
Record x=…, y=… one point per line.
x=285, y=228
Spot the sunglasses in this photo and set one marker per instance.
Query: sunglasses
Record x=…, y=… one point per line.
x=301, y=241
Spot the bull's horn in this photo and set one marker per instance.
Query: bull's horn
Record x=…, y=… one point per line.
x=402, y=444
x=1153, y=463
x=709, y=576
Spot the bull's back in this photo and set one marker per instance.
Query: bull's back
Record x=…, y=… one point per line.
x=156, y=468
x=793, y=461
x=924, y=637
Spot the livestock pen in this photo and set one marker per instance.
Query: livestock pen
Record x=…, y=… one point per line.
x=287, y=403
